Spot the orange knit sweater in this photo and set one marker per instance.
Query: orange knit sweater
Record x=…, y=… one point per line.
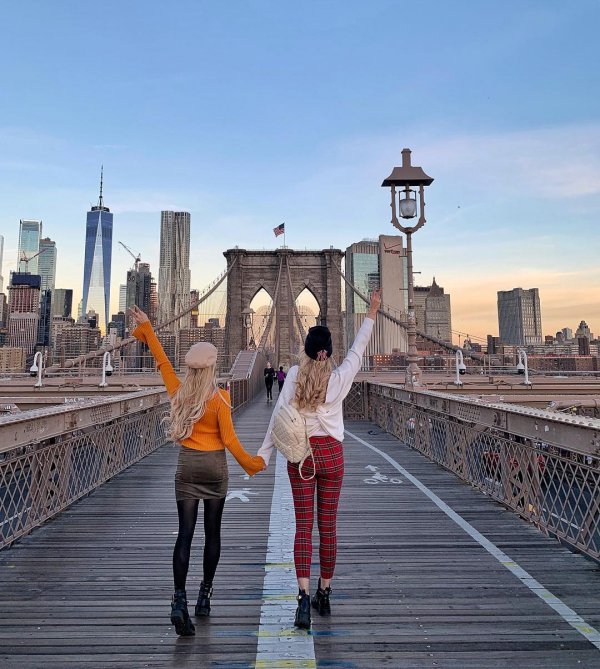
x=214, y=431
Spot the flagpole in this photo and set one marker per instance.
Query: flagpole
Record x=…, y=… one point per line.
x=284, y=244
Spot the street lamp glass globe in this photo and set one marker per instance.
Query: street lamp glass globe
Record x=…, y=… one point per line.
x=408, y=206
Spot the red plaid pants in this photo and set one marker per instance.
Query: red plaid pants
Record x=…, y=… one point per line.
x=329, y=472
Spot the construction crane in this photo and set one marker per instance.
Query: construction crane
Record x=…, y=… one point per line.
x=27, y=260
x=136, y=258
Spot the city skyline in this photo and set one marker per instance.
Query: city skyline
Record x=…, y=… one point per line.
x=298, y=121
x=116, y=286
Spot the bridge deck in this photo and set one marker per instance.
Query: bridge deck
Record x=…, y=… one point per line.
x=412, y=589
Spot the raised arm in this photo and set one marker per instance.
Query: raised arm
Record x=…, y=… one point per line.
x=146, y=334
x=353, y=360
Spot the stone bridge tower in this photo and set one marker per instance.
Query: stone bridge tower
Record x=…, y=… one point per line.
x=319, y=271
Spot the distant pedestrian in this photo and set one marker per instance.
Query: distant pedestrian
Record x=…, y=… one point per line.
x=280, y=378
x=317, y=390
x=269, y=378
x=200, y=421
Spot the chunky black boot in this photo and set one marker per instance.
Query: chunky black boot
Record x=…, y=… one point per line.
x=203, y=603
x=320, y=601
x=180, y=616
x=302, y=619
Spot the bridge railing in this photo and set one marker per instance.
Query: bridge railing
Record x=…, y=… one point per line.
x=51, y=457
x=543, y=465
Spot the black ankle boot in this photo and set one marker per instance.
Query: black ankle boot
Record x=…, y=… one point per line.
x=180, y=616
x=320, y=601
x=302, y=619
x=203, y=603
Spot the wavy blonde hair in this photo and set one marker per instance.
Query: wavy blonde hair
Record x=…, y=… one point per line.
x=188, y=404
x=312, y=380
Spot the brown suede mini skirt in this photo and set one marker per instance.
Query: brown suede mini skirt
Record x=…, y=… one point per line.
x=201, y=474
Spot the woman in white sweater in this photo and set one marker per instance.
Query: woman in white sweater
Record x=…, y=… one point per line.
x=317, y=390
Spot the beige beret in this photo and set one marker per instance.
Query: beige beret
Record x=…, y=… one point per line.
x=202, y=354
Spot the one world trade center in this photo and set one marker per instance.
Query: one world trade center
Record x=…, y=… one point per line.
x=98, y=255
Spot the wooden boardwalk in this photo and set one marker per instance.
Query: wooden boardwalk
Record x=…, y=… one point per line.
x=412, y=589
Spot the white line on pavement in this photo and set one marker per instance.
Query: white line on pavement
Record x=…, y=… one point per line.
x=565, y=612
x=279, y=642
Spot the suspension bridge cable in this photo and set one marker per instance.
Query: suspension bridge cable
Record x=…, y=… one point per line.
x=263, y=340
x=436, y=340
x=209, y=290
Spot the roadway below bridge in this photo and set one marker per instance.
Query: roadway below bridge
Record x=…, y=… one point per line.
x=431, y=573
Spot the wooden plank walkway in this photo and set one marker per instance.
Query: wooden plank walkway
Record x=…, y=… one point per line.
x=412, y=588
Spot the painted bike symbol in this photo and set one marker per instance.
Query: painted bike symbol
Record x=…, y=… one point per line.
x=378, y=477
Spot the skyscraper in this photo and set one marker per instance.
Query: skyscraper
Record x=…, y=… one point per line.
x=519, y=316
x=432, y=311
x=1, y=260
x=30, y=233
x=370, y=264
x=138, y=287
x=123, y=297
x=62, y=302
x=24, y=311
x=174, y=268
x=47, y=263
x=98, y=256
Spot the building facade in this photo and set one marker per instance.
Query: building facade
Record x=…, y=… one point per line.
x=519, y=316
x=433, y=312
x=47, y=264
x=122, y=297
x=1, y=261
x=97, y=262
x=58, y=324
x=23, y=311
x=62, y=302
x=75, y=340
x=138, y=288
x=30, y=233
x=12, y=359
x=211, y=332
x=174, y=267
x=371, y=264
x=3, y=310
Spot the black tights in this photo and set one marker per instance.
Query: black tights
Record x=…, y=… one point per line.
x=187, y=510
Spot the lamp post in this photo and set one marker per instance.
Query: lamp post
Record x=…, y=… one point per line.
x=37, y=368
x=408, y=179
x=461, y=368
x=522, y=367
x=107, y=369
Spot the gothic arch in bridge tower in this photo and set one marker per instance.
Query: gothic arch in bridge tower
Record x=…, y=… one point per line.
x=284, y=274
x=307, y=298
x=259, y=306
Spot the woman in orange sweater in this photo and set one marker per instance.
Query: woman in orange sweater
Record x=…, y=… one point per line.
x=200, y=421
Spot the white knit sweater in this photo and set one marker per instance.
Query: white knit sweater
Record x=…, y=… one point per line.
x=328, y=419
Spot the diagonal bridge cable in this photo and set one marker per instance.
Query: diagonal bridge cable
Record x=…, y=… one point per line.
x=209, y=290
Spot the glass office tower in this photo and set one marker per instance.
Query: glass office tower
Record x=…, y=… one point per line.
x=47, y=263
x=98, y=256
x=30, y=233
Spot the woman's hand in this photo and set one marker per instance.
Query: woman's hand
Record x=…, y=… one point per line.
x=375, y=304
x=138, y=315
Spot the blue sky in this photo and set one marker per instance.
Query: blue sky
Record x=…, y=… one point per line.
x=251, y=113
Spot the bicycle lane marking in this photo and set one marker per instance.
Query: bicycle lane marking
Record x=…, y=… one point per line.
x=565, y=612
x=280, y=644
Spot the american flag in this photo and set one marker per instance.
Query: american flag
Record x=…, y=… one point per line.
x=279, y=230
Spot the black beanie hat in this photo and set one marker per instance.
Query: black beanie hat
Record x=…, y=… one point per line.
x=318, y=339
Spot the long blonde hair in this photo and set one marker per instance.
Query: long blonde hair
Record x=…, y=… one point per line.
x=188, y=404
x=311, y=382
